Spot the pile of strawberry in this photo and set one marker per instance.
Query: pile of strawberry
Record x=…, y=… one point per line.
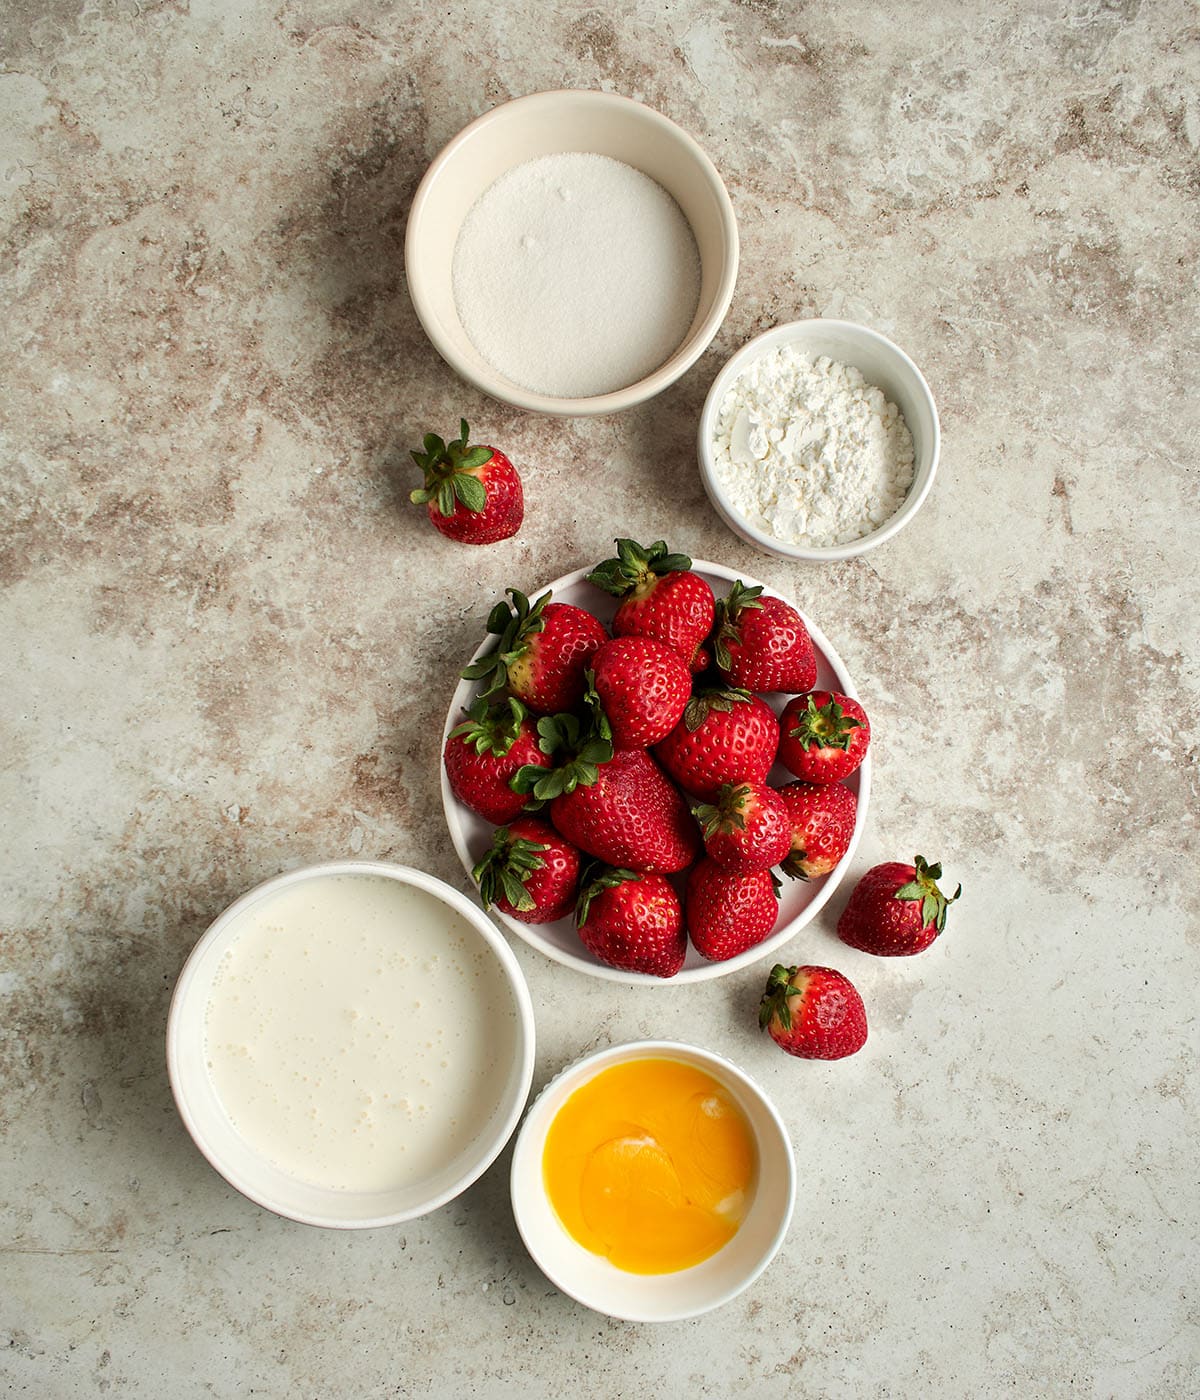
x=626, y=774
x=555, y=752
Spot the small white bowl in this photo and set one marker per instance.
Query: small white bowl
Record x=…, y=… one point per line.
x=599, y=1284
x=552, y=123
x=252, y=1173
x=882, y=364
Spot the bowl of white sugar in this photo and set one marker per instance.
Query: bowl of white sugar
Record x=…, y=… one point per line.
x=351, y=1044
x=819, y=440
x=571, y=253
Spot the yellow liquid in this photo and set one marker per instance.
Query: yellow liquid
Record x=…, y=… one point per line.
x=651, y=1164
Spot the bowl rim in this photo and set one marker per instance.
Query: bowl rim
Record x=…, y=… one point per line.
x=785, y=333
x=185, y=1009
x=583, y=961
x=574, y=1075
x=685, y=355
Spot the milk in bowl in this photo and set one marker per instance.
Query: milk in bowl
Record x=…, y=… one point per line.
x=360, y=1036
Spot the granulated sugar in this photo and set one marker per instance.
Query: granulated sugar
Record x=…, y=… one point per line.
x=576, y=275
x=809, y=452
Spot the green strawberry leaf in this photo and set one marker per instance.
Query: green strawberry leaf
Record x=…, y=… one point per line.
x=826, y=726
x=491, y=728
x=515, y=624
x=634, y=565
x=774, y=1001
x=923, y=886
x=722, y=699
x=448, y=473
x=504, y=868
x=470, y=491
x=598, y=878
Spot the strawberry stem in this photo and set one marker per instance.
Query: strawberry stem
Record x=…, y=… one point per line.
x=514, y=623
x=636, y=567
x=491, y=728
x=923, y=886
x=728, y=610
x=449, y=469
x=774, y=1001
x=505, y=867
x=598, y=878
x=827, y=726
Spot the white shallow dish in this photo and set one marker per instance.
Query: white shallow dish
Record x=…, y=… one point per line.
x=597, y=1283
x=261, y=1180
x=882, y=363
x=799, y=902
x=553, y=123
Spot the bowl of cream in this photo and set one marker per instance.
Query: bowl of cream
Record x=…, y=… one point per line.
x=571, y=253
x=351, y=1044
x=653, y=1181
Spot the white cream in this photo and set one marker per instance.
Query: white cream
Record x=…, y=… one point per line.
x=359, y=1034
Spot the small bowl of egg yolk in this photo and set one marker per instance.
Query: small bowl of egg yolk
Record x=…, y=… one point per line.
x=653, y=1181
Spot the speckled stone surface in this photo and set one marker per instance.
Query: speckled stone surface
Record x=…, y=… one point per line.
x=228, y=645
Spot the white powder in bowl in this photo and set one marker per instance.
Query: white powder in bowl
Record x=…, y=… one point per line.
x=809, y=452
x=575, y=275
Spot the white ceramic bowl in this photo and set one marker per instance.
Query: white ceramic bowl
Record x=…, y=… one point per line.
x=593, y=1280
x=550, y=123
x=881, y=363
x=253, y=1174
x=800, y=901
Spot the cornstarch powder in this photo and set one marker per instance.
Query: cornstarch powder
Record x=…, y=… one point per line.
x=575, y=275
x=809, y=452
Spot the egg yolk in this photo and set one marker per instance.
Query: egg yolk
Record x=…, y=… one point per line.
x=652, y=1164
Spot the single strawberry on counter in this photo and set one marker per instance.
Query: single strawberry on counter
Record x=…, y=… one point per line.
x=896, y=909
x=820, y=824
x=761, y=643
x=643, y=686
x=725, y=736
x=471, y=494
x=632, y=921
x=485, y=751
x=813, y=1012
x=661, y=598
x=823, y=736
x=543, y=653
x=726, y=914
x=529, y=873
x=746, y=828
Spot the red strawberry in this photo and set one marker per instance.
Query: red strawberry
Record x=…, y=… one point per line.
x=896, y=909
x=813, y=1012
x=725, y=736
x=761, y=642
x=821, y=823
x=663, y=598
x=484, y=752
x=643, y=686
x=748, y=828
x=633, y=922
x=726, y=914
x=543, y=653
x=529, y=873
x=473, y=495
x=823, y=736
x=630, y=817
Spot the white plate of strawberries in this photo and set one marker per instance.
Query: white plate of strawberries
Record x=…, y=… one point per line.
x=655, y=769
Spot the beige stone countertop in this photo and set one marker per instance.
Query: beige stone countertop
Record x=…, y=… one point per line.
x=229, y=642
